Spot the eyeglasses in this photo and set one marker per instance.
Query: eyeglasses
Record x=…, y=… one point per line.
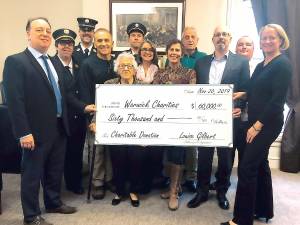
x=147, y=49
x=224, y=34
x=128, y=66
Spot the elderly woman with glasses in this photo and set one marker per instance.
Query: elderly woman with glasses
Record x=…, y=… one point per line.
x=126, y=160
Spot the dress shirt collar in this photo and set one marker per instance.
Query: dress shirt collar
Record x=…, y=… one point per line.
x=83, y=48
x=70, y=64
x=36, y=54
x=224, y=58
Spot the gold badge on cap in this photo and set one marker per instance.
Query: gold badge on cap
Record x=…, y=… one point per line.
x=66, y=31
x=86, y=20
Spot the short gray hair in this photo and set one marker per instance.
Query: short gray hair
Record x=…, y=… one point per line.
x=125, y=55
x=188, y=28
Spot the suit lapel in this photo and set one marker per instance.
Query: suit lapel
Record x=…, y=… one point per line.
x=40, y=70
x=206, y=69
x=59, y=71
x=227, y=68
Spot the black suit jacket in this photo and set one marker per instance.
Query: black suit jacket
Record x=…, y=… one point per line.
x=75, y=105
x=236, y=72
x=79, y=55
x=31, y=99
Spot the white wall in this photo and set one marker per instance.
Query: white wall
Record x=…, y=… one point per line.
x=202, y=14
x=14, y=15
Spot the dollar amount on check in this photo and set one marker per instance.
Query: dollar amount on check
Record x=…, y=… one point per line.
x=174, y=115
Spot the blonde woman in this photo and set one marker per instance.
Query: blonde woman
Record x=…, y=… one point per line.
x=266, y=97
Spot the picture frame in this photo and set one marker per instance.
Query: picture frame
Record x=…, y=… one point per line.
x=164, y=20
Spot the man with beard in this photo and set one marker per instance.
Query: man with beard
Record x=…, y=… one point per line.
x=97, y=69
x=64, y=43
x=221, y=67
x=136, y=33
x=86, y=34
x=244, y=47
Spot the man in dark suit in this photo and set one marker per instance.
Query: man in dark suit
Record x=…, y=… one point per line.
x=221, y=67
x=86, y=33
x=64, y=43
x=36, y=99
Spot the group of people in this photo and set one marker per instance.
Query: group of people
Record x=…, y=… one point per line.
x=51, y=102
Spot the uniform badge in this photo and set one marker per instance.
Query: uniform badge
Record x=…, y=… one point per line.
x=86, y=20
x=66, y=31
x=76, y=65
x=136, y=25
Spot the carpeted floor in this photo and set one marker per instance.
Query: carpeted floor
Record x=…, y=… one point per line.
x=153, y=210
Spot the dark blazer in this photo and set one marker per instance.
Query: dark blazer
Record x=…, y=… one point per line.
x=30, y=97
x=79, y=55
x=75, y=106
x=236, y=72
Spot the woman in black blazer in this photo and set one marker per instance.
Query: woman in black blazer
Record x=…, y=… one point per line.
x=266, y=97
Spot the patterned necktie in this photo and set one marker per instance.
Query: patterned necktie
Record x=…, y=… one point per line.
x=54, y=86
x=86, y=52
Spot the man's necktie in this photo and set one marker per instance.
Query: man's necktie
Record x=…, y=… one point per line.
x=86, y=52
x=54, y=86
x=137, y=58
x=68, y=69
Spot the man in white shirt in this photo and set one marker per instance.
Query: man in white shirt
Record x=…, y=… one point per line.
x=221, y=67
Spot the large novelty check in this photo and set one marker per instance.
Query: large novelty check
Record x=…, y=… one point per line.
x=175, y=115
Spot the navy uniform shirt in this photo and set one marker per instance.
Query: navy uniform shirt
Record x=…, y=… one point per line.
x=94, y=71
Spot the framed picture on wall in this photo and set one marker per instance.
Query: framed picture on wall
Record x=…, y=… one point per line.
x=164, y=20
